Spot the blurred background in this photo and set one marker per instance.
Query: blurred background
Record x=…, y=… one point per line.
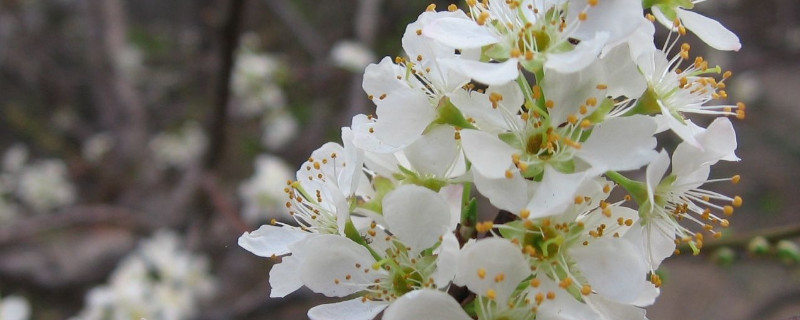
x=139, y=139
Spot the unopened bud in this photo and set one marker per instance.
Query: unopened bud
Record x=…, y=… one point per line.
x=788, y=252
x=724, y=256
x=759, y=245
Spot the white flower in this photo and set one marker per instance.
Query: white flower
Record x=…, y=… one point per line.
x=44, y=185
x=673, y=91
x=97, y=146
x=280, y=127
x=535, y=34
x=14, y=308
x=263, y=193
x=351, y=55
x=417, y=219
x=678, y=196
x=425, y=304
x=14, y=158
x=157, y=281
x=179, y=149
x=709, y=30
x=409, y=94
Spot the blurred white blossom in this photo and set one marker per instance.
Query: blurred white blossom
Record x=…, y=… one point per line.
x=97, y=146
x=44, y=186
x=263, y=193
x=179, y=149
x=14, y=308
x=352, y=56
x=160, y=280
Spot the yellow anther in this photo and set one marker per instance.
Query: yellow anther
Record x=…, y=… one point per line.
x=509, y=174
x=727, y=210
x=481, y=273
x=582, y=16
x=724, y=223
x=572, y=119
x=591, y=101
x=586, y=289
x=737, y=201
x=629, y=222
x=650, y=17
x=515, y=53
x=606, y=188
x=499, y=277
x=549, y=104
x=585, y=124
x=535, y=282
x=537, y=91
x=452, y=7
x=431, y=7
x=482, y=18
x=491, y=294
x=578, y=200
x=525, y=213
x=551, y=295
x=735, y=179
x=592, y=2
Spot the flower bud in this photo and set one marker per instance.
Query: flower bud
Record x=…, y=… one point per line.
x=788, y=252
x=759, y=245
x=724, y=256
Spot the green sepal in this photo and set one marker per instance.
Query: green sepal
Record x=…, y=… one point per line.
x=382, y=186
x=647, y=104
x=564, y=166
x=600, y=113
x=352, y=233
x=447, y=113
x=637, y=189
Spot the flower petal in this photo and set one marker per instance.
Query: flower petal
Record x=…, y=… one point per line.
x=354, y=309
x=483, y=262
x=327, y=262
x=447, y=255
x=459, y=33
x=434, y=153
x=580, y=57
x=489, y=155
x=620, y=144
x=487, y=73
x=555, y=192
x=613, y=267
x=284, y=278
x=425, y=304
x=402, y=117
x=418, y=216
x=268, y=241
x=709, y=30
x=503, y=193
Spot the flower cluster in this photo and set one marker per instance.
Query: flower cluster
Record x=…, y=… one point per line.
x=539, y=105
x=159, y=280
x=41, y=186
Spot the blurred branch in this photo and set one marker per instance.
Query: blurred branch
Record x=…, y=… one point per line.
x=306, y=35
x=115, y=98
x=82, y=216
x=365, y=24
x=741, y=241
x=222, y=203
x=229, y=40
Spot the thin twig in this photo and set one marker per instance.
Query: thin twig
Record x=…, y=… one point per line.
x=306, y=35
x=28, y=228
x=741, y=241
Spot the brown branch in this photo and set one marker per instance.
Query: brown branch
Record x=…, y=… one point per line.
x=741, y=241
x=229, y=35
x=223, y=203
x=82, y=216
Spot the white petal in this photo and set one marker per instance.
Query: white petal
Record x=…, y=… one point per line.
x=270, y=241
x=563, y=307
x=418, y=216
x=622, y=75
x=425, y=304
x=655, y=171
x=656, y=240
x=491, y=257
x=330, y=258
x=613, y=267
x=447, y=253
x=453, y=195
x=402, y=117
x=568, y=99
x=503, y=193
x=620, y=144
x=718, y=141
x=284, y=278
x=580, y=57
x=612, y=16
x=381, y=78
x=14, y=308
x=555, y=193
x=366, y=140
x=350, y=178
x=611, y=310
x=354, y=309
x=709, y=30
x=434, y=153
x=489, y=155
x=459, y=33
x=477, y=106
x=487, y=73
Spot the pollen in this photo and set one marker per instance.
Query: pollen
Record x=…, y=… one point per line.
x=586, y=289
x=737, y=201
x=452, y=7
x=481, y=273
x=582, y=16
x=499, y=277
x=431, y=7
x=727, y=210
x=525, y=213
x=491, y=294
x=735, y=179
x=535, y=282
x=509, y=174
